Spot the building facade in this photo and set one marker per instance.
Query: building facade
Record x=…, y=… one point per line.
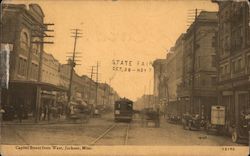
x=19, y=25
x=187, y=77
x=198, y=87
x=160, y=89
x=234, y=60
x=50, y=69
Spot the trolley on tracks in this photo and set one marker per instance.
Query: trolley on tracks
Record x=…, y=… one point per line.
x=123, y=110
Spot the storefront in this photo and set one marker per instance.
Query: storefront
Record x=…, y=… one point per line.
x=22, y=97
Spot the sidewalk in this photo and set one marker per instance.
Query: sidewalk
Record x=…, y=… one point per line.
x=31, y=121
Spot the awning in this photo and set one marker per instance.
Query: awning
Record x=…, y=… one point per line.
x=43, y=85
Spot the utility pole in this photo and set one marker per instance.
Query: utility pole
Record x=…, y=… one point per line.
x=193, y=64
x=96, y=98
x=39, y=31
x=144, y=97
x=149, y=98
x=90, y=86
x=96, y=74
x=76, y=34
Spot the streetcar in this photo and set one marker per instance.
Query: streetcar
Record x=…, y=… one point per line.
x=123, y=110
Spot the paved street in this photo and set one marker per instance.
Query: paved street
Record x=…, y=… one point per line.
x=167, y=134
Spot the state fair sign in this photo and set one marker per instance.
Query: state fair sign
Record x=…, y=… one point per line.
x=4, y=64
x=130, y=66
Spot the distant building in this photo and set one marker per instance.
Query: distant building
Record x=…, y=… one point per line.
x=145, y=101
x=173, y=75
x=50, y=69
x=160, y=91
x=64, y=74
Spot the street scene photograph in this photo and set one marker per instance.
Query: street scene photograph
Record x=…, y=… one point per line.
x=125, y=73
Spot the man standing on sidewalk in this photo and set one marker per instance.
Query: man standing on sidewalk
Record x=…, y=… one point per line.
x=20, y=112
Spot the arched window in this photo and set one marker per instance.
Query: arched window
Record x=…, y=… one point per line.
x=24, y=39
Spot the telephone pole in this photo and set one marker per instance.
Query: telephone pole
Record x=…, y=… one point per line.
x=72, y=60
x=96, y=74
x=96, y=100
x=40, y=32
x=193, y=64
x=90, y=84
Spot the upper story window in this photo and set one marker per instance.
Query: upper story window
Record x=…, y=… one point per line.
x=36, y=48
x=234, y=68
x=24, y=39
x=239, y=64
x=213, y=80
x=248, y=61
x=237, y=38
x=214, y=61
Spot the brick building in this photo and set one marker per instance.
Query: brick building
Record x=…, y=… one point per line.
x=198, y=87
x=22, y=26
x=234, y=60
x=18, y=25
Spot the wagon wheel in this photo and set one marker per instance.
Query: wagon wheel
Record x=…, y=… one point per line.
x=235, y=136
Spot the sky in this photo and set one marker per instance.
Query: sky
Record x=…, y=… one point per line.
x=138, y=31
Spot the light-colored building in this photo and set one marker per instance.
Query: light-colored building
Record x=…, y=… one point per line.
x=160, y=91
x=50, y=69
x=145, y=101
x=64, y=73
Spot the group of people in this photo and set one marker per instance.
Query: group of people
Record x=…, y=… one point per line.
x=50, y=111
x=11, y=112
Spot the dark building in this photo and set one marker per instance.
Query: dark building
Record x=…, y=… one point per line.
x=21, y=27
x=234, y=60
x=198, y=87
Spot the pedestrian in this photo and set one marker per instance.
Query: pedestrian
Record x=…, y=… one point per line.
x=41, y=113
x=49, y=111
x=44, y=111
x=20, y=112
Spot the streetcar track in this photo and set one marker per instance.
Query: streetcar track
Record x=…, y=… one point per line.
x=127, y=133
x=100, y=137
